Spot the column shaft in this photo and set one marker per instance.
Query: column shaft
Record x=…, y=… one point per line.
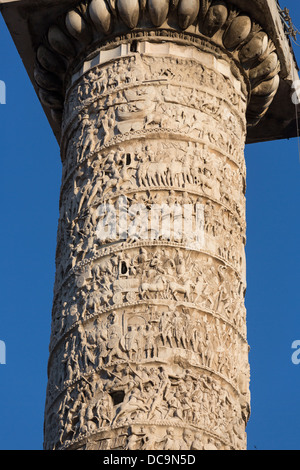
x=148, y=346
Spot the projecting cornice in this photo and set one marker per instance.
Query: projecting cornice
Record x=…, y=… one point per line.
x=55, y=37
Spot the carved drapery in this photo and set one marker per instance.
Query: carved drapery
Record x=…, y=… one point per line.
x=148, y=347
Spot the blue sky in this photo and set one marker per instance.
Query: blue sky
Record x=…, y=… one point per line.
x=29, y=195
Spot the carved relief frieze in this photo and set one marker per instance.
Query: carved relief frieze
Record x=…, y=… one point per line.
x=148, y=347
x=141, y=276
x=152, y=398
x=95, y=23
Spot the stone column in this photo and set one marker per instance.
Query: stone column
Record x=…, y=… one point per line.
x=148, y=347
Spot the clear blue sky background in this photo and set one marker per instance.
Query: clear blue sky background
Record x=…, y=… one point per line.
x=29, y=194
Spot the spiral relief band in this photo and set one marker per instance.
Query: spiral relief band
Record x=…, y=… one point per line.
x=148, y=347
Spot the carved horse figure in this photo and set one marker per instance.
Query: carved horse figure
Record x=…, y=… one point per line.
x=185, y=289
x=156, y=286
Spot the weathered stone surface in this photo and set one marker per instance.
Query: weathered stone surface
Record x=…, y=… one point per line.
x=187, y=12
x=101, y=15
x=237, y=32
x=33, y=21
x=154, y=323
x=129, y=11
x=255, y=48
x=49, y=61
x=78, y=27
x=249, y=46
x=158, y=11
x=153, y=104
x=215, y=18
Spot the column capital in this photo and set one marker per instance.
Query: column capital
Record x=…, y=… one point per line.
x=54, y=37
